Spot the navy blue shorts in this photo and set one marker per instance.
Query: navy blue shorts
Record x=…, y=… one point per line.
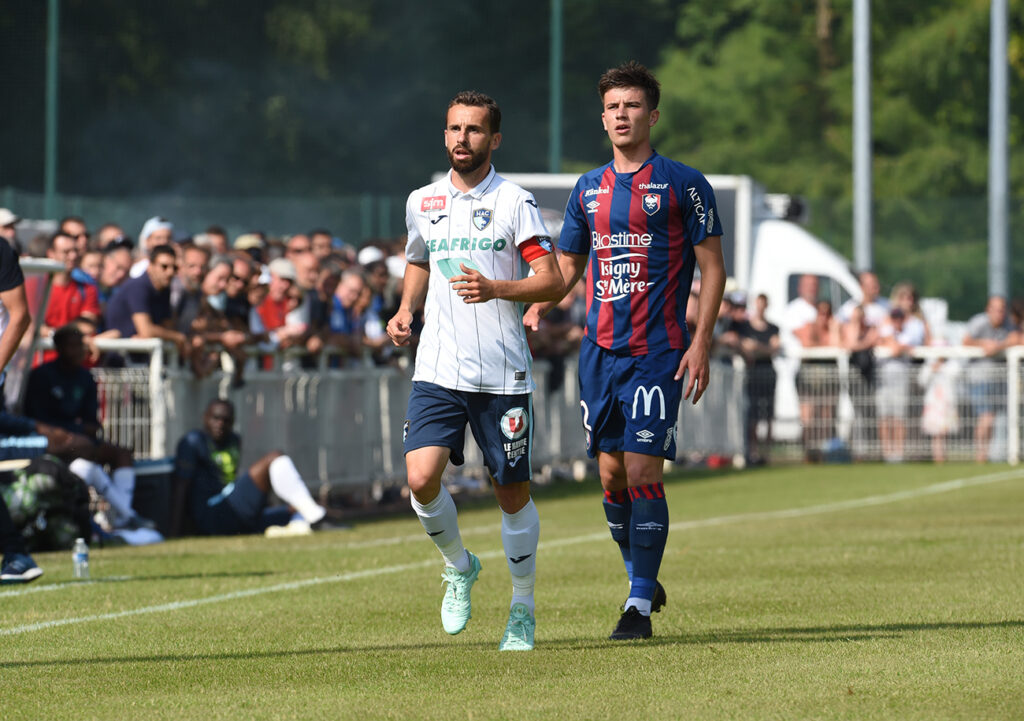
x=500, y=424
x=629, y=403
x=241, y=510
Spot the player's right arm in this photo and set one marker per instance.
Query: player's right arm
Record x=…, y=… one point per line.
x=414, y=292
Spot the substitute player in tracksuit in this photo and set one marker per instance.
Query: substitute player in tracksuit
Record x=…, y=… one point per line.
x=637, y=226
x=473, y=240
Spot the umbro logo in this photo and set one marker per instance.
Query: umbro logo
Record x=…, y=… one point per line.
x=438, y=219
x=435, y=533
x=616, y=526
x=644, y=436
x=519, y=559
x=531, y=202
x=649, y=526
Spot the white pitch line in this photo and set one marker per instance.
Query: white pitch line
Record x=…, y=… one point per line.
x=865, y=502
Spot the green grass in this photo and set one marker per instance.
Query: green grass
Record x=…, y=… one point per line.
x=908, y=607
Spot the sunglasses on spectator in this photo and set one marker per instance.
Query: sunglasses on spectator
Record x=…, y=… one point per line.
x=168, y=266
x=300, y=249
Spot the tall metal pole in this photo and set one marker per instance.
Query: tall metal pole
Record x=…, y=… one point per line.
x=862, y=195
x=998, y=183
x=555, y=85
x=50, y=158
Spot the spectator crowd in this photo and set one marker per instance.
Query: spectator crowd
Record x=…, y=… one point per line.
x=215, y=299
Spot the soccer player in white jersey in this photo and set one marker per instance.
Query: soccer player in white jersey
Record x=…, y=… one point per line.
x=473, y=240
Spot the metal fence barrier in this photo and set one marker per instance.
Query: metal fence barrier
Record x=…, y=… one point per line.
x=344, y=427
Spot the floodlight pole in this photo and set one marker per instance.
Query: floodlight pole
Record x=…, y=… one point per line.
x=998, y=182
x=862, y=193
x=555, y=89
x=50, y=157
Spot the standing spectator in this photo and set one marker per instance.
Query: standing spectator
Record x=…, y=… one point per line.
x=186, y=288
x=212, y=327
x=109, y=233
x=218, y=238
x=759, y=344
x=993, y=333
x=940, y=415
x=799, y=312
x=859, y=339
x=75, y=228
x=817, y=382
x=375, y=318
x=321, y=242
x=155, y=232
x=8, y=231
x=905, y=297
x=874, y=307
x=142, y=306
x=280, y=300
x=117, y=261
x=346, y=322
x=899, y=335
x=69, y=298
x=237, y=307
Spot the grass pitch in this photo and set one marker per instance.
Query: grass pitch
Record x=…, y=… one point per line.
x=847, y=592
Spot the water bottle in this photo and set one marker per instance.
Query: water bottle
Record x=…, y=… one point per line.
x=80, y=559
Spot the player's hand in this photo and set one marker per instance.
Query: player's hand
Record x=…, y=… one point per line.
x=400, y=328
x=531, y=319
x=697, y=366
x=473, y=287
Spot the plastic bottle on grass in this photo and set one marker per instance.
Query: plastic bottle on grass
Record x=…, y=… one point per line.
x=80, y=559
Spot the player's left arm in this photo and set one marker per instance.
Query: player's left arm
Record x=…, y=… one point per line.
x=712, y=285
x=544, y=284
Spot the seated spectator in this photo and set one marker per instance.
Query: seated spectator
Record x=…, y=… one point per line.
x=758, y=344
x=155, y=232
x=986, y=377
x=141, y=308
x=63, y=393
x=220, y=498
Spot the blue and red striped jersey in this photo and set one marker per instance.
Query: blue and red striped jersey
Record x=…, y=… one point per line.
x=639, y=230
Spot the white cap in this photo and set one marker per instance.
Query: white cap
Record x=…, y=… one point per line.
x=369, y=254
x=7, y=218
x=152, y=225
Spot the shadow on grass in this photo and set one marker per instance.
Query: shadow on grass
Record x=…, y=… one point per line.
x=811, y=634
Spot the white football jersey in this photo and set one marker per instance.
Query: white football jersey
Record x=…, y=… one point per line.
x=479, y=347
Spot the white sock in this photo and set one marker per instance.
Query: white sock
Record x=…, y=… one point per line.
x=642, y=605
x=520, y=532
x=124, y=479
x=440, y=520
x=95, y=476
x=290, y=488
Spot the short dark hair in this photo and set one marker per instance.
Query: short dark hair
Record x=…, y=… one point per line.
x=479, y=100
x=631, y=75
x=66, y=334
x=159, y=250
x=58, y=234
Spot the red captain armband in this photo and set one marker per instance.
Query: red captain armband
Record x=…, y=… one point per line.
x=532, y=249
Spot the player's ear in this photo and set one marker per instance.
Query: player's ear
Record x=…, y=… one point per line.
x=495, y=141
x=655, y=114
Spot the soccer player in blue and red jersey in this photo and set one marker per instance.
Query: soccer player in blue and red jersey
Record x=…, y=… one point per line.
x=637, y=226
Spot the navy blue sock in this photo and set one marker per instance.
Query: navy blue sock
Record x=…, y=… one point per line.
x=617, y=509
x=648, y=532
